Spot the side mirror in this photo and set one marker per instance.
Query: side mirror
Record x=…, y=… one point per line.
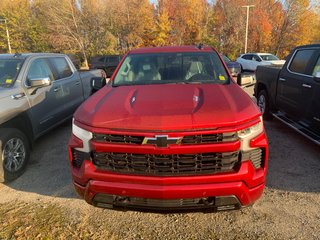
x=316, y=76
x=39, y=82
x=36, y=83
x=243, y=80
x=97, y=83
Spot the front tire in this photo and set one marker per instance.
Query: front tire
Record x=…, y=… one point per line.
x=14, y=153
x=264, y=105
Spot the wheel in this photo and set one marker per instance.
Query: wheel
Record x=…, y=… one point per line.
x=263, y=104
x=14, y=153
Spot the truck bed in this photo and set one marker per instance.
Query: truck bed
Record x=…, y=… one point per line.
x=268, y=76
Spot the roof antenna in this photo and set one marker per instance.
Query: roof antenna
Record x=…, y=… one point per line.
x=200, y=46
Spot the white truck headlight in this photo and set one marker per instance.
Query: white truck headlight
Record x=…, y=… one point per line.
x=249, y=133
x=82, y=134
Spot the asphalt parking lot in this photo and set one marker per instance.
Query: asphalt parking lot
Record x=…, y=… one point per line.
x=289, y=208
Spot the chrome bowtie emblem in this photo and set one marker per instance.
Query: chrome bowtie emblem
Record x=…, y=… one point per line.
x=161, y=141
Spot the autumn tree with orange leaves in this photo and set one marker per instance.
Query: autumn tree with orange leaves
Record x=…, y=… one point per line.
x=91, y=27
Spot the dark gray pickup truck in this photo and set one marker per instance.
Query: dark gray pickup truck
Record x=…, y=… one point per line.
x=38, y=91
x=292, y=93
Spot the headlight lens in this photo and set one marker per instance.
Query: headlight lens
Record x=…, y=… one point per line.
x=82, y=134
x=249, y=133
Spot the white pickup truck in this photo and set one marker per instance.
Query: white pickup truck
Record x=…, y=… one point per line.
x=38, y=91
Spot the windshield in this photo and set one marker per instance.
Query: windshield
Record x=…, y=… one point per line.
x=171, y=68
x=9, y=69
x=269, y=57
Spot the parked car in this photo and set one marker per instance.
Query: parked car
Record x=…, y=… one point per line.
x=250, y=61
x=291, y=93
x=37, y=92
x=107, y=63
x=234, y=67
x=171, y=130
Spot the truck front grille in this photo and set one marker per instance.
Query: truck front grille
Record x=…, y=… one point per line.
x=167, y=165
x=188, y=139
x=210, y=138
x=112, y=138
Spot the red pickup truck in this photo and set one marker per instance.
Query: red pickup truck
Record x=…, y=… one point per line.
x=171, y=130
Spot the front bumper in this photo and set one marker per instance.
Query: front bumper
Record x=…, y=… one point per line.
x=220, y=191
x=174, y=188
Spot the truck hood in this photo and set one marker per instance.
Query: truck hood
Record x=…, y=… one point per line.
x=167, y=107
x=6, y=92
x=9, y=108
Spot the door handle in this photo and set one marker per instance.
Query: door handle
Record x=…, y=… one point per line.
x=306, y=86
x=282, y=79
x=77, y=83
x=56, y=89
x=18, y=96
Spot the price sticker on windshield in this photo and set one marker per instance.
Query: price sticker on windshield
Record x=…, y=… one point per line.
x=221, y=78
x=8, y=81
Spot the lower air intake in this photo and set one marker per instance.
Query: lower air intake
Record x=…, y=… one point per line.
x=213, y=203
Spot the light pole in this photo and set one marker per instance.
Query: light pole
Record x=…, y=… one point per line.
x=7, y=30
x=246, y=42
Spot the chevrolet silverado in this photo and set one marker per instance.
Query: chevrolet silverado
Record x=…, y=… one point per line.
x=170, y=131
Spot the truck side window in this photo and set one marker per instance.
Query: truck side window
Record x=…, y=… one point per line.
x=39, y=68
x=113, y=59
x=101, y=59
x=300, y=61
x=62, y=67
x=316, y=67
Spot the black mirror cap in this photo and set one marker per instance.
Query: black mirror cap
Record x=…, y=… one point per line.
x=39, y=82
x=97, y=83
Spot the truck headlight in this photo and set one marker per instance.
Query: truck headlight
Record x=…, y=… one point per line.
x=83, y=135
x=249, y=133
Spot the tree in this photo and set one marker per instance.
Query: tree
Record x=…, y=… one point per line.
x=162, y=29
x=229, y=26
x=298, y=26
x=186, y=23
x=25, y=28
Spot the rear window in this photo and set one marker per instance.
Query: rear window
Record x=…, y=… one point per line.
x=9, y=70
x=269, y=57
x=171, y=68
x=247, y=57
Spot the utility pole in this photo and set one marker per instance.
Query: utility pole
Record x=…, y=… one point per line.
x=7, y=30
x=246, y=41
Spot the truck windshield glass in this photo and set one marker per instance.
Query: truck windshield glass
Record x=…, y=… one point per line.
x=269, y=57
x=171, y=68
x=9, y=69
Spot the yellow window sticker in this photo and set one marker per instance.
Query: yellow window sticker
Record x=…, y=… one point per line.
x=222, y=78
x=8, y=81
